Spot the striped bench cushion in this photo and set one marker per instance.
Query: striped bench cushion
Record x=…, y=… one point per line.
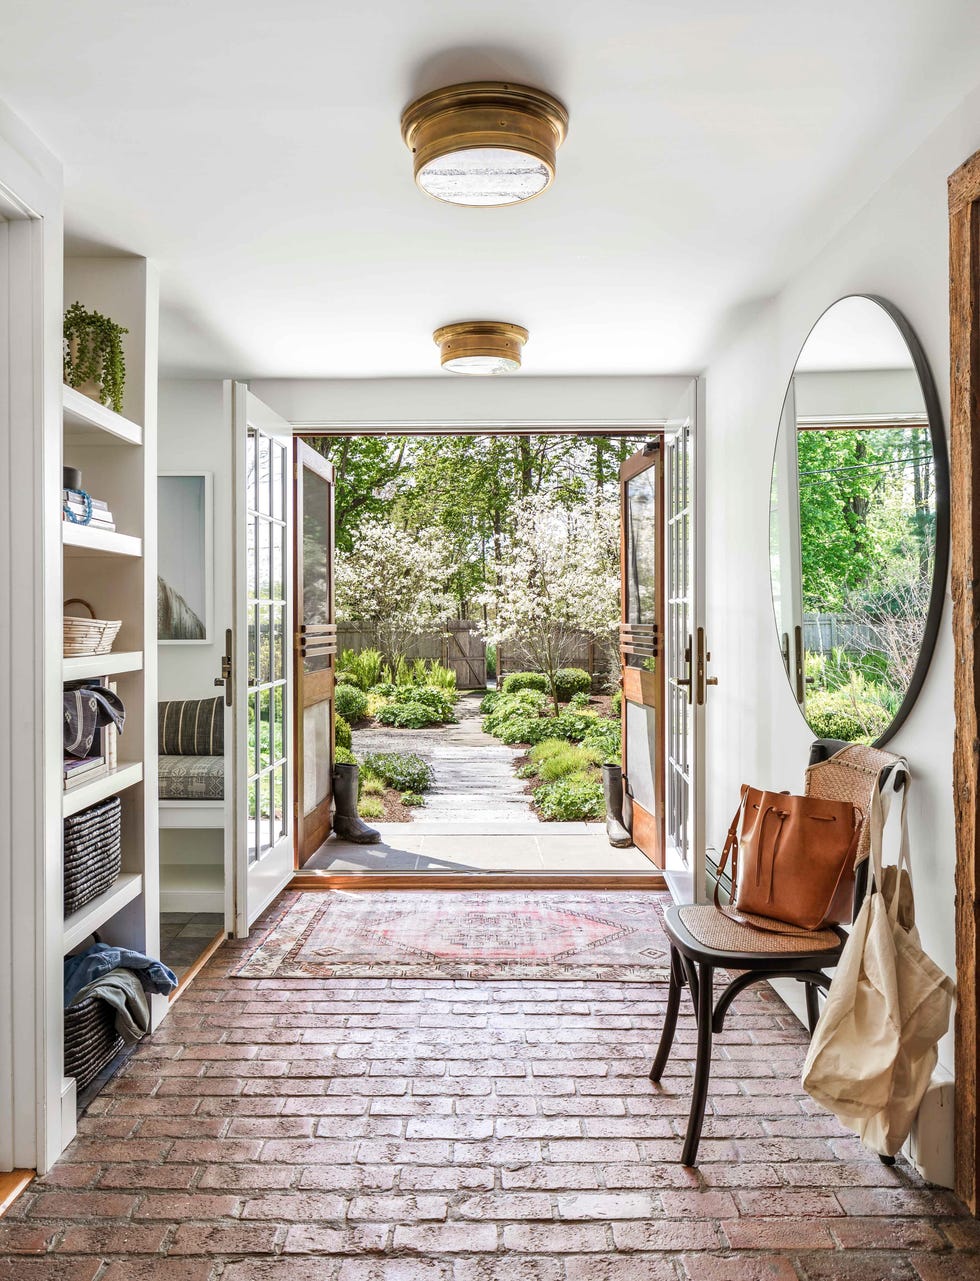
x=192, y=727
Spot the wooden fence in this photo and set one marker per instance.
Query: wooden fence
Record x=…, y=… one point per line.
x=586, y=653
x=824, y=632
x=458, y=646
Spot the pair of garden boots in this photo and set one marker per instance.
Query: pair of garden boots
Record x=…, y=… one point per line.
x=347, y=824
x=619, y=807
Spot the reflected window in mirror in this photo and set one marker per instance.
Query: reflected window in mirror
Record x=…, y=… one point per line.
x=858, y=522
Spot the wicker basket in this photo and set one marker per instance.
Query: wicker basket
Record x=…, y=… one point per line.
x=91, y=1039
x=85, y=636
x=93, y=852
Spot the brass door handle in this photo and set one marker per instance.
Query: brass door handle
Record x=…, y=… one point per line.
x=226, y=670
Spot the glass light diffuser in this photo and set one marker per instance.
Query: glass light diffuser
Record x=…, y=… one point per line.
x=481, y=347
x=484, y=143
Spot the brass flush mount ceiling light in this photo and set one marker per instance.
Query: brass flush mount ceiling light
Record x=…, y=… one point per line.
x=480, y=346
x=485, y=143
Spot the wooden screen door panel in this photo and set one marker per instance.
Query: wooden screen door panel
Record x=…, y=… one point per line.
x=641, y=633
x=315, y=638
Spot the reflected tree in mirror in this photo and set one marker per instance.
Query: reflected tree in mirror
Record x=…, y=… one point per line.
x=858, y=522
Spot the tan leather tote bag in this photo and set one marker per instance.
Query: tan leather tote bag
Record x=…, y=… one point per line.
x=874, y=1049
x=792, y=861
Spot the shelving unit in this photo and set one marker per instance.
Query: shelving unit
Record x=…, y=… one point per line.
x=78, y=926
x=82, y=795
x=116, y=572
x=82, y=669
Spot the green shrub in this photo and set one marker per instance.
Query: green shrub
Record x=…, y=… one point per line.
x=571, y=680
x=404, y=771
x=617, y=703
x=837, y=714
x=604, y=738
x=524, y=729
x=408, y=716
x=572, y=725
x=365, y=666
x=489, y=702
x=579, y=701
x=341, y=732
x=386, y=689
x=413, y=799
x=570, y=760
x=436, y=700
x=517, y=681
x=350, y=702
x=344, y=756
x=346, y=678
x=571, y=799
x=525, y=703
x=371, y=807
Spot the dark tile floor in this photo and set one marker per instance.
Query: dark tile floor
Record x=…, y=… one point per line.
x=185, y=935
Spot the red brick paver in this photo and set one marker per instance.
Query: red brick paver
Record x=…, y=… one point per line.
x=395, y=1130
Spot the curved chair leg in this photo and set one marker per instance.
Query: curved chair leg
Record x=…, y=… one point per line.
x=670, y=1016
x=702, y=1068
x=812, y=1006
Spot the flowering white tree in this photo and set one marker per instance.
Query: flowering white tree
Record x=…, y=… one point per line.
x=557, y=575
x=395, y=582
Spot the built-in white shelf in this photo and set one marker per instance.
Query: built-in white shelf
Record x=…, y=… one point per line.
x=82, y=795
x=89, y=423
x=85, y=540
x=192, y=814
x=78, y=926
x=88, y=667
x=187, y=887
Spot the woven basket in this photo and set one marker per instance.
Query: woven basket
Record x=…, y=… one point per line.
x=92, y=852
x=91, y=1039
x=85, y=636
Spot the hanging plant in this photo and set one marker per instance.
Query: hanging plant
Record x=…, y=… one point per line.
x=94, y=355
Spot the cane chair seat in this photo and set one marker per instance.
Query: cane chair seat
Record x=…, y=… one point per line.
x=715, y=929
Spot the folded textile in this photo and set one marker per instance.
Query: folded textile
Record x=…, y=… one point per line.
x=88, y=709
x=100, y=958
x=123, y=990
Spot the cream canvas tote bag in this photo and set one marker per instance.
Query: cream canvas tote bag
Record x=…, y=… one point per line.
x=874, y=1049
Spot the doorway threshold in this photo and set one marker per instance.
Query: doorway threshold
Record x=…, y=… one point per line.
x=480, y=854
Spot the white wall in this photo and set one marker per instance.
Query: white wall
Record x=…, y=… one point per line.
x=451, y=401
x=194, y=435
x=897, y=248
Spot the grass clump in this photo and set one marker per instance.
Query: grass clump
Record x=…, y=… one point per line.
x=371, y=807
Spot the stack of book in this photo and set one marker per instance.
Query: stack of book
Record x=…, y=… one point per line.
x=83, y=769
x=101, y=515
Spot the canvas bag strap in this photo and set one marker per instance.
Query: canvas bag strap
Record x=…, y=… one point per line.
x=731, y=848
x=881, y=803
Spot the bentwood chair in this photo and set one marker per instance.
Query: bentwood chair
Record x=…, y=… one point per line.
x=704, y=939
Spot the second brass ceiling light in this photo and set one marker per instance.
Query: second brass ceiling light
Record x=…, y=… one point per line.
x=486, y=143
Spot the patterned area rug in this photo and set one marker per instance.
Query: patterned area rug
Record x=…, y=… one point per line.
x=415, y=934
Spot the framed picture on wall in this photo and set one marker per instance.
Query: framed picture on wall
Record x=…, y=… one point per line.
x=185, y=558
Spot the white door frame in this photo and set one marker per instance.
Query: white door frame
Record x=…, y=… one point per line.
x=31, y=915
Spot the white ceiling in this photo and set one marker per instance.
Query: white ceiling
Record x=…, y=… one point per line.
x=253, y=150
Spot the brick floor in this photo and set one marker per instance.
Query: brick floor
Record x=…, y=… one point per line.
x=357, y=1130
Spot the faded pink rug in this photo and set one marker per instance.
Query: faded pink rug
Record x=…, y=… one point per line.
x=419, y=934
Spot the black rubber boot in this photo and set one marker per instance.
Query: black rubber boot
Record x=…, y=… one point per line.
x=612, y=787
x=346, y=824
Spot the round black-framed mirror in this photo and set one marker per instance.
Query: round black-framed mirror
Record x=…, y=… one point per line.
x=859, y=521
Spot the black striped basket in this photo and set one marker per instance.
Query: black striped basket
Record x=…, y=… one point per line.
x=92, y=852
x=91, y=1039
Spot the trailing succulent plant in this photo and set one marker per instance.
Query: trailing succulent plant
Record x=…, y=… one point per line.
x=94, y=353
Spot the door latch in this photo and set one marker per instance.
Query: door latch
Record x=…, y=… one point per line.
x=704, y=658
x=226, y=670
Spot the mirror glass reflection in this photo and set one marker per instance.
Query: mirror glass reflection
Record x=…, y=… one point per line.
x=853, y=523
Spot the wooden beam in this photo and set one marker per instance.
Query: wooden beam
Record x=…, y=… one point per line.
x=964, y=317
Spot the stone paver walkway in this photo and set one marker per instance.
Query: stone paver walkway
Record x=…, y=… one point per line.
x=474, y=773
x=395, y=1130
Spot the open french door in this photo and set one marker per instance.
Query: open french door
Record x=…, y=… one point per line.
x=641, y=482
x=663, y=648
x=686, y=656
x=315, y=645
x=261, y=668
